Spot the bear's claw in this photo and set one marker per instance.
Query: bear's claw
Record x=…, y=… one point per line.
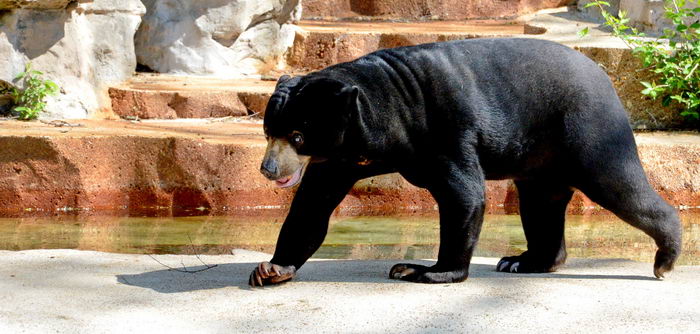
x=267, y=273
x=508, y=266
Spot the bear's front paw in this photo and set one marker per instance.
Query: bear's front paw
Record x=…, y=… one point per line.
x=422, y=274
x=269, y=273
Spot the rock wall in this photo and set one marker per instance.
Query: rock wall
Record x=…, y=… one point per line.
x=648, y=16
x=83, y=46
x=226, y=38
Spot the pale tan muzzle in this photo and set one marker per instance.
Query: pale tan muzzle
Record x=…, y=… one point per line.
x=282, y=164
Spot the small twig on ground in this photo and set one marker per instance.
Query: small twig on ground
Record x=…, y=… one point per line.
x=184, y=268
x=234, y=119
x=60, y=123
x=189, y=271
x=132, y=119
x=197, y=255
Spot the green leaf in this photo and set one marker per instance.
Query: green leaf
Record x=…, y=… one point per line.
x=691, y=114
x=583, y=32
x=681, y=27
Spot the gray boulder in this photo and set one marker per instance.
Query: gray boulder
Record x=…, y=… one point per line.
x=82, y=46
x=228, y=38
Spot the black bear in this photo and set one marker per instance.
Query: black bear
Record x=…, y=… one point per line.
x=448, y=116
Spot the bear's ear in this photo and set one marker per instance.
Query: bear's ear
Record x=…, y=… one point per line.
x=282, y=79
x=350, y=94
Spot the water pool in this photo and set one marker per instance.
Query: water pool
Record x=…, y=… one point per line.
x=408, y=237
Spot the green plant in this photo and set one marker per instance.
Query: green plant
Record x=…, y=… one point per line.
x=30, y=101
x=674, y=56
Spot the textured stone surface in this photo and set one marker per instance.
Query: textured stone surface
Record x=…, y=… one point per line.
x=649, y=15
x=322, y=43
x=212, y=167
x=36, y=4
x=168, y=97
x=646, y=15
x=426, y=9
x=170, y=105
x=214, y=37
x=83, y=48
x=593, y=12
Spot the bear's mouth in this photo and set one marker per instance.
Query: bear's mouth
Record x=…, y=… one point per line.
x=291, y=180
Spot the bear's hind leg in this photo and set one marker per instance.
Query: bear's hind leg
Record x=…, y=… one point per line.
x=624, y=190
x=458, y=190
x=542, y=210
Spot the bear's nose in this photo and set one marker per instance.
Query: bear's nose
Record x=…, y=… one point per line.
x=269, y=169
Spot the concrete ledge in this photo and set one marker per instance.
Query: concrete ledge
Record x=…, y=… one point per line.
x=206, y=167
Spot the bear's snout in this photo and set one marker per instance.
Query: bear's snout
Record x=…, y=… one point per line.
x=270, y=169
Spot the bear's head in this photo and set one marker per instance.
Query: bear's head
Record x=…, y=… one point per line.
x=305, y=121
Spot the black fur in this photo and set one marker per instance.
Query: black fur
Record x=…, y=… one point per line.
x=448, y=116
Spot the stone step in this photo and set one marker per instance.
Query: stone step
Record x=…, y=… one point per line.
x=424, y=9
x=322, y=43
x=187, y=167
x=148, y=96
x=319, y=44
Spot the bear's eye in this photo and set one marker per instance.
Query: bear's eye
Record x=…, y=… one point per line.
x=297, y=139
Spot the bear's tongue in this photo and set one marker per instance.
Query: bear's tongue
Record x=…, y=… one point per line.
x=289, y=181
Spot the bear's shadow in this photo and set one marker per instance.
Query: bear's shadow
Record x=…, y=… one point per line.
x=341, y=271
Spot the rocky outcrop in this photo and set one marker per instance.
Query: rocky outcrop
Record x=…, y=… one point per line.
x=83, y=46
x=227, y=38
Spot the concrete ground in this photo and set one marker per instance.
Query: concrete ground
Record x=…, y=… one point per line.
x=69, y=291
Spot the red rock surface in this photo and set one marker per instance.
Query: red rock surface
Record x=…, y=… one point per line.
x=169, y=97
x=425, y=9
x=323, y=43
x=185, y=168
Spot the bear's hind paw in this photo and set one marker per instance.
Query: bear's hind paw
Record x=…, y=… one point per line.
x=524, y=264
x=422, y=274
x=508, y=265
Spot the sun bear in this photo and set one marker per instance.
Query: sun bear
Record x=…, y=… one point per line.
x=448, y=116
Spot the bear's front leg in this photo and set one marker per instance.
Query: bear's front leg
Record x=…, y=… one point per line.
x=324, y=186
x=460, y=197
